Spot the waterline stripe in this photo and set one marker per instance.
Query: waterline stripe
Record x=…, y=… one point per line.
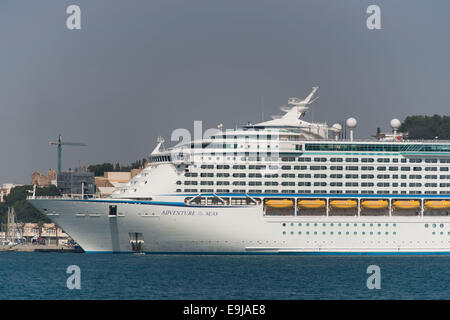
x=306, y=253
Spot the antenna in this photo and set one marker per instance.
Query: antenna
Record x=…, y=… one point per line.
x=337, y=128
x=395, y=124
x=351, y=123
x=262, y=108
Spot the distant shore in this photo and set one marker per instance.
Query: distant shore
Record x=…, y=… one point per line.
x=39, y=248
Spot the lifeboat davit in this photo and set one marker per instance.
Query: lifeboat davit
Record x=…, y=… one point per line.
x=375, y=204
x=280, y=204
x=406, y=204
x=437, y=204
x=344, y=204
x=311, y=204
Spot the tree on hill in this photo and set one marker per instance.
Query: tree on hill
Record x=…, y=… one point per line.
x=426, y=127
x=100, y=169
x=25, y=212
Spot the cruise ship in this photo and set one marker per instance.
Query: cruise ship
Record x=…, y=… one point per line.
x=283, y=186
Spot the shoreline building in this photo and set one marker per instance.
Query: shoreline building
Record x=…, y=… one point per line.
x=42, y=180
x=48, y=233
x=76, y=182
x=112, y=181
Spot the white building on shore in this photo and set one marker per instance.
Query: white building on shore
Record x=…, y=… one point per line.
x=6, y=189
x=48, y=233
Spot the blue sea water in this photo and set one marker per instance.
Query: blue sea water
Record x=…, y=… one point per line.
x=112, y=276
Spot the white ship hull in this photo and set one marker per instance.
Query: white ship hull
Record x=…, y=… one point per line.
x=239, y=191
x=173, y=227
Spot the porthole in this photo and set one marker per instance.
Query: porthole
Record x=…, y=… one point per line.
x=426, y=225
x=441, y=225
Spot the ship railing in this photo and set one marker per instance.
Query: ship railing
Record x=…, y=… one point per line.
x=431, y=141
x=207, y=199
x=63, y=197
x=435, y=141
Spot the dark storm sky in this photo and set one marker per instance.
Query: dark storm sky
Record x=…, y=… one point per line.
x=139, y=69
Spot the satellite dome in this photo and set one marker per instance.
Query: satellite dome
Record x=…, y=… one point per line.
x=351, y=122
x=337, y=127
x=395, y=123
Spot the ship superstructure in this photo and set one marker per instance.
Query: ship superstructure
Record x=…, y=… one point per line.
x=279, y=186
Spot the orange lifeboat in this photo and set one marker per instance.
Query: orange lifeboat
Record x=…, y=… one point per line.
x=374, y=204
x=437, y=204
x=406, y=204
x=311, y=204
x=280, y=203
x=343, y=204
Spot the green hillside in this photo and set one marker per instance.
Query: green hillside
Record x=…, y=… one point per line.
x=427, y=127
